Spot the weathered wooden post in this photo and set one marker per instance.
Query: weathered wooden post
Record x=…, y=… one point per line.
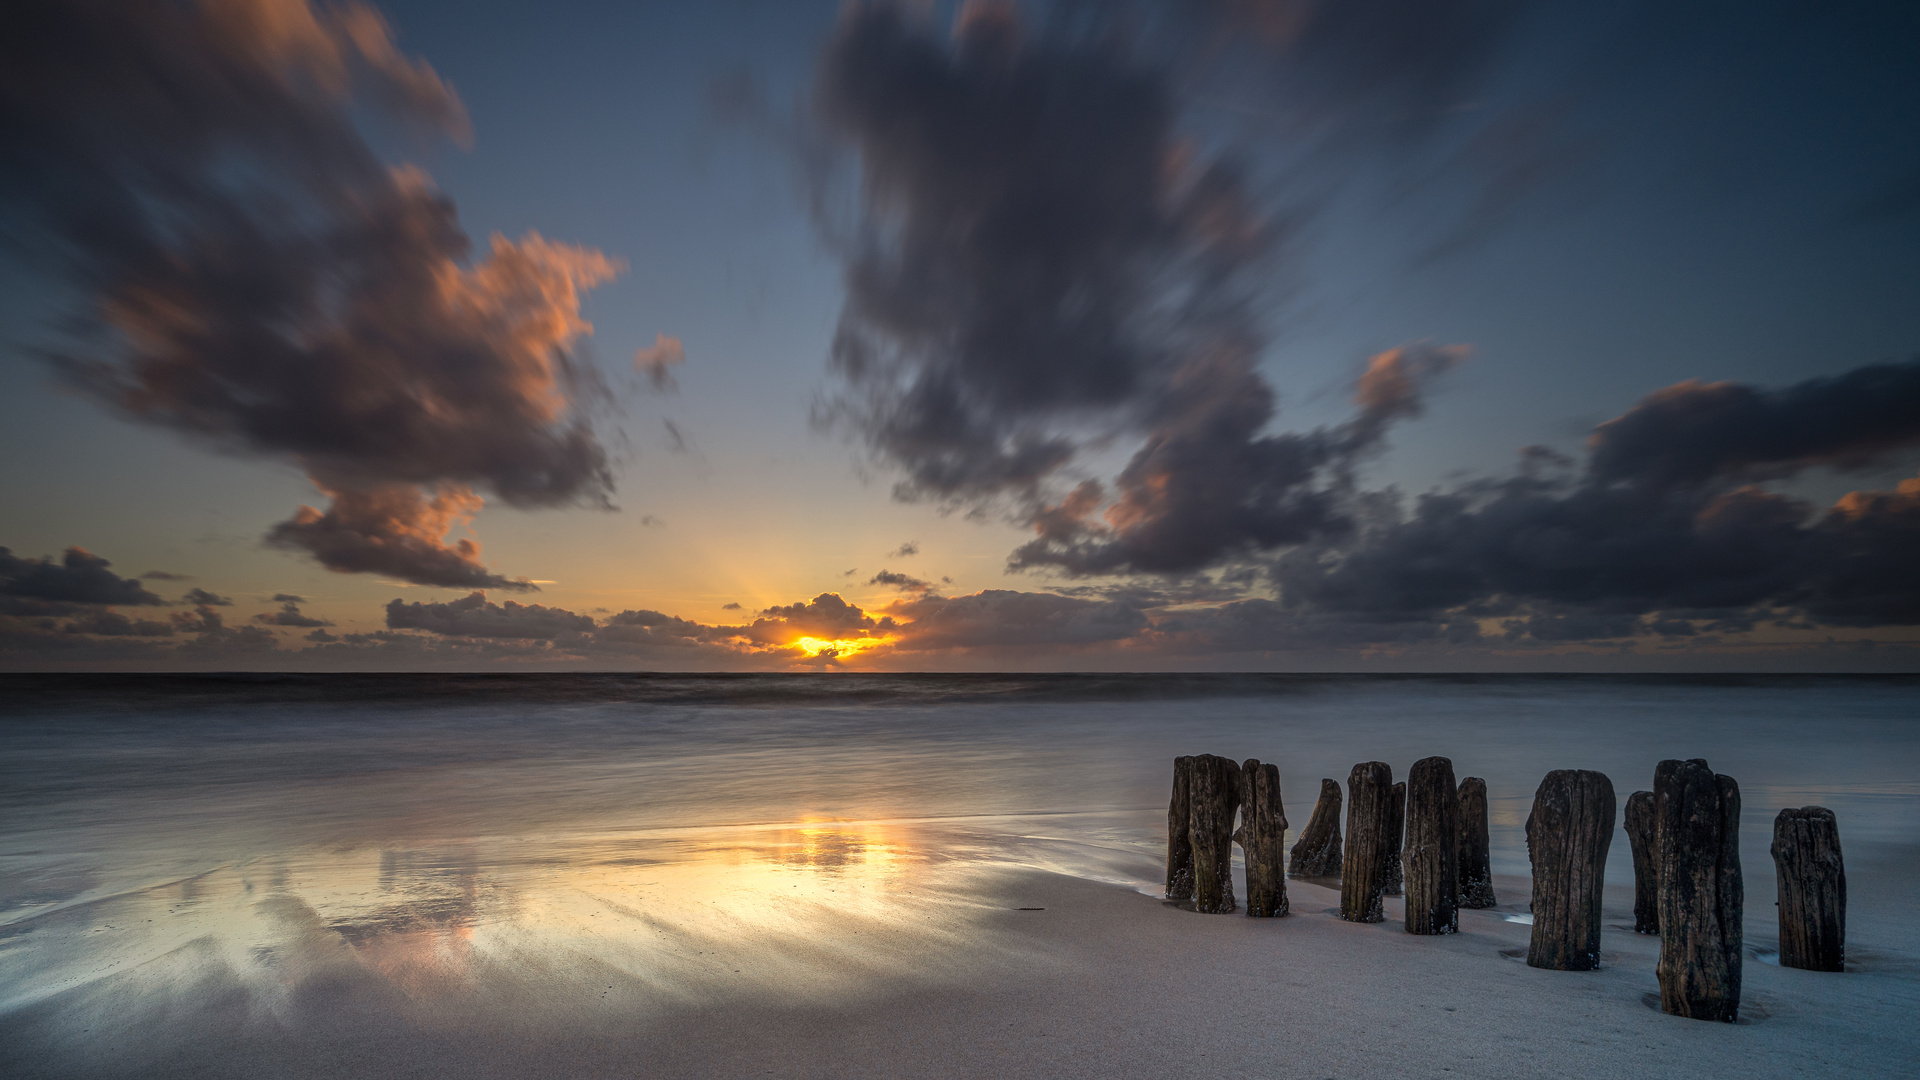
x=1568, y=834
x=1216, y=795
x=1179, y=835
x=1397, y=822
x=1813, y=889
x=1263, y=836
x=1433, y=848
x=1317, y=853
x=1363, y=872
x=1475, y=851
x=1697, y=832
x=1646, y=863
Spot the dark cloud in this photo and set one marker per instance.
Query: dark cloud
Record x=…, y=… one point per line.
x=1660, y=532
x=162, y=575
x=905, y=551
x=730, y=607
x=826, y=616
x=1696, y=432
x=1208, y=486
x=202, y=596
x=110, y=623
x=476, y=616
x=397, y=531
x=1033, y=246
x=1042, y=259
x=289, y=614
x=998, y=617
x=288, y=598
x=254, y=276
x=900, y=581
x=642, y=629
x=32, y=586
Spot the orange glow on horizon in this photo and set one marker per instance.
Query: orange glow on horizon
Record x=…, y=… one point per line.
x=839, y=649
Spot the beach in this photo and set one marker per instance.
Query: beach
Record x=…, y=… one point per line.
x=369, y=886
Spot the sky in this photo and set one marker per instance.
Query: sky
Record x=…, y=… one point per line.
x=1219, y=335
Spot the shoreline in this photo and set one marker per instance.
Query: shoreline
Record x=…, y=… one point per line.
x=1103, y=982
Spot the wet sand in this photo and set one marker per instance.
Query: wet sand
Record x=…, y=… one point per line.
x=1103, y=982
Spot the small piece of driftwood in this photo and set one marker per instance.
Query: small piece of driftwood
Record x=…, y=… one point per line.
x=1179, y=835
x=1317, y=853
x=1646, y=863
x=1568, y=834
x=1215, y=788
x=1397, y=822
x=1263, y=837
x=1433, y=848
x=1363, y=870
x=1475, y=851
x=1813, y=889
x=1697, y=834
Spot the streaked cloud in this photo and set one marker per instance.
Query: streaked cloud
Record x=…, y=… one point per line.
x=248, y=272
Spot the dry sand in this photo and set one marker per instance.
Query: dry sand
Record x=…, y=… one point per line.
x=1104, y=982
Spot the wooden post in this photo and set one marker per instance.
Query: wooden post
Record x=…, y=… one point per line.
x=1317, y=854
x=1568, y=834
x=1433, y=848
x=1475, y=857
x=1397, y=822
x=1363, y=872
x=1813, y=889
x=1216, y=795
x=1697, y=832
x=1263, y=836
x=1646, y=863
x=1179, y=835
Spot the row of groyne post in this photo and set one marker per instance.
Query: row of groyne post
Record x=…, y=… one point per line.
x=1427, y=838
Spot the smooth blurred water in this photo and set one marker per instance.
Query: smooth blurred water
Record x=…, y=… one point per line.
x=410, y=820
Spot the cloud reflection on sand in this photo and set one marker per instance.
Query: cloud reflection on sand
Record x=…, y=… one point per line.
x=813, y=907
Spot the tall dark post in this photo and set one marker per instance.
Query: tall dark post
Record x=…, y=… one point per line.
x=1317, y=853
x=1476, y=858
x=1568, y=834
x=1397, y=822
x=1697, y=834
x=1179, y=835
x=1263, y=836
x=1216, y=795
x=1363, y=873
x=1433, y=852
x=1813, y=889
x=1646, y=863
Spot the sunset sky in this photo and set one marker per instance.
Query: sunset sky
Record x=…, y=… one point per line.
x=1230, y=334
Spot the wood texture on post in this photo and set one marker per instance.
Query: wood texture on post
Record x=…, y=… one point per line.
x=1397, y=823
x=1179, y=834
x=1433, y=848
x=1363, y=872
x=1697, y=835
x=1216, y=795
x=1263, y=836
x=1646, y=863
x=1568, y=835
x=1317, y=853
x=1476, y=852
x=1813, y=889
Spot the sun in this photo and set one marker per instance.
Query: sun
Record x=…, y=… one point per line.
x=838, y=649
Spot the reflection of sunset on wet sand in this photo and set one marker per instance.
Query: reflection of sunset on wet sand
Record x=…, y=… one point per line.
x=579, y=880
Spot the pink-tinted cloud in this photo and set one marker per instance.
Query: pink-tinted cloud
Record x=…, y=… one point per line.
x=254, y=276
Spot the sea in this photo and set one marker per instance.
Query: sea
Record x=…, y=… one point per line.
x=155, y=829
